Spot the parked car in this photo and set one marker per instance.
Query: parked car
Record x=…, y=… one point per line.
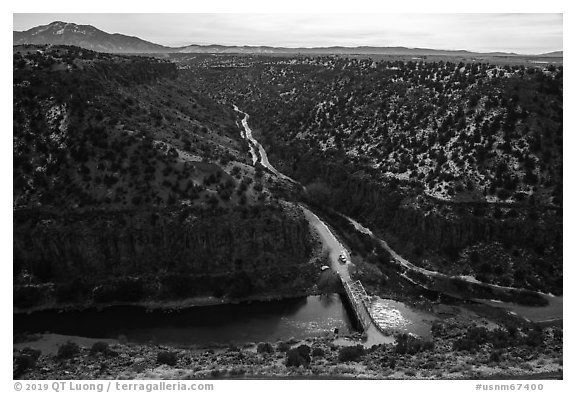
x=342, y=259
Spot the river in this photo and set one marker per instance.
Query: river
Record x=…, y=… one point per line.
x=233, y=323
x=553, y=311
x=257, y=150
x=222, y=324
x=259, y=321
x=388, y=314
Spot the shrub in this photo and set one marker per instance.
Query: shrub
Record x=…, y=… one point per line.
x=304, y=351
x=23, y=362
x=99, y=347
x=495, y=356
x=316, y=352
x=167, y=357
x=264, y=348
x=407, y=344
x=464, y=344
x=295, y=359
x=534, y=338
x=26, y=360
x=299, y=356
x=283, y=347
x=351, y=354
x=68, y=350
x=34, y=353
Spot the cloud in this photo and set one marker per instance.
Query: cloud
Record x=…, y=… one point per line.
x=522, y=33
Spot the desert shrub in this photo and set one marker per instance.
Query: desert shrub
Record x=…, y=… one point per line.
x=351, y=354
x=534, y=338
x=167, y=357
x=305, y=351
x=407, y=344
x=34, y=353
x=495, y=356
x=24, y=362
x=265, y=348
x=293, y=358
x=438, y=329
x=99, y=347
x=237, y=371
x=317, y=352
x=68, y=350
x=464, y=344
x=297, y=357
x=283, y=346
x=501, y=338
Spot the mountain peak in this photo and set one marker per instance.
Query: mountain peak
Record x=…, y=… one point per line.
x=85, y=36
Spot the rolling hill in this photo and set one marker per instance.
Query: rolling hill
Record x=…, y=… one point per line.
x=89, y=37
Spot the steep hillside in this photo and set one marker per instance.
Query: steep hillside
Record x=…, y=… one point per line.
x=129, y=180
x=460, y=131
x=451, y=160
x=94, y=129
x=155, y=254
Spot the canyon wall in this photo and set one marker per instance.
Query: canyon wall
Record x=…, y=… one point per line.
x=263, y=248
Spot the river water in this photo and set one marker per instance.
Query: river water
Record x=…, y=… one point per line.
x=256, y=321
x=242, y=323
x=391, y=316
x=233, y=323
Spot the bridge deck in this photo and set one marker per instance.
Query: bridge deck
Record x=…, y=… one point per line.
x=361, y=304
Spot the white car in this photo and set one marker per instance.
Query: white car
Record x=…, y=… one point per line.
x=325, y=268
x=342, y=259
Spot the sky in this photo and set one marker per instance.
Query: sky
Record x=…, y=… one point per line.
x=519, y=33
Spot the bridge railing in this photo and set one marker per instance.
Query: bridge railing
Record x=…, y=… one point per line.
x=361, y=304
x=359, y=301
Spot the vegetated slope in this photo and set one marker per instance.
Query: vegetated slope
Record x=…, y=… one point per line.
x=459, y=161
x=157, y=254
x=95, y=129
x=123, y=174
x=460, y=131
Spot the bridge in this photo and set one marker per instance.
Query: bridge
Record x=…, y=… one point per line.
x=354, y=290
x=361, y=305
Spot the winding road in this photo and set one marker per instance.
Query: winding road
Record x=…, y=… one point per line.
x=550, y=312
x=553, y=311
x=329, y=241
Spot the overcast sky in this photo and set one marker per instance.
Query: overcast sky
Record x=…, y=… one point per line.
x=519, y=33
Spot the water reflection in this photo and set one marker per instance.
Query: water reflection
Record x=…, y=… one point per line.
x=238, y=323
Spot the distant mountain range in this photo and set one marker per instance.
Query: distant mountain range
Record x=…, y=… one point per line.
x=89, y=37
